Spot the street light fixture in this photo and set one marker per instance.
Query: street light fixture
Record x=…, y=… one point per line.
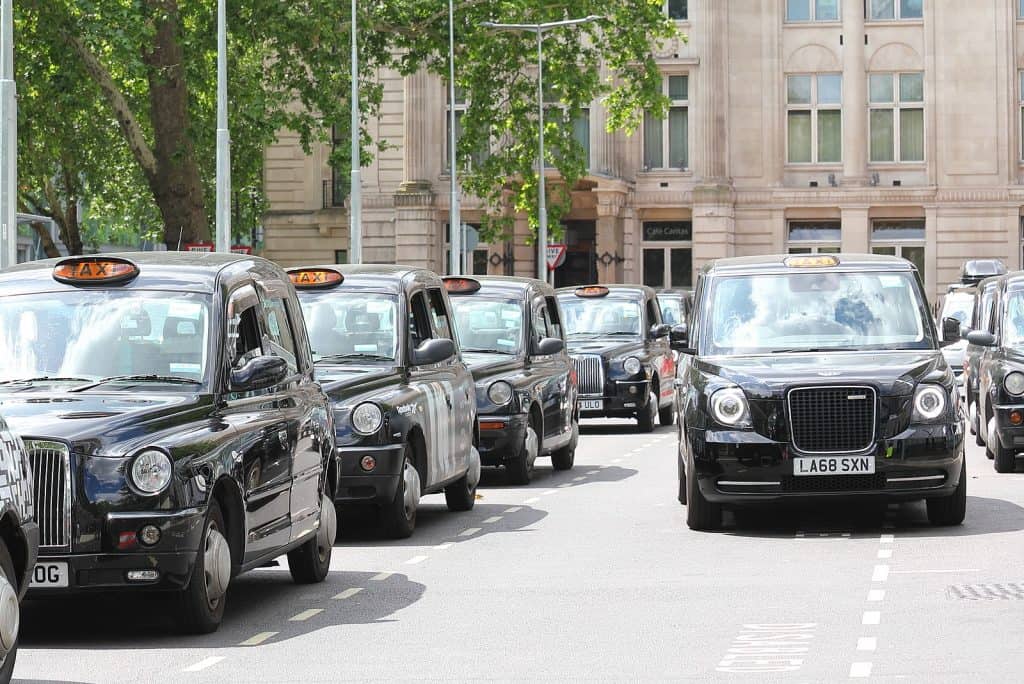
x=454, y=220
x=355, y=248
x=223, y=199
x=8, y=141
x=542, y=203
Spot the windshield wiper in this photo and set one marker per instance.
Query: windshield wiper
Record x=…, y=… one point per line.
x=488, y=351
x=166, y=379
x=622, y=332
x=814, y=349
x=583, y=334
x=43, y=378
x=330, y=358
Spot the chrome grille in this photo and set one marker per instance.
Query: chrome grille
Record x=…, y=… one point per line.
x=589, y=374
x=832, y=419
x=51, y=484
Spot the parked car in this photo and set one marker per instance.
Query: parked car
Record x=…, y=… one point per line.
x=620, y=348
x=510, y=330
x=975, y=270
x=981, y=319
x=816, y=377
x=403, y=399
x=958, y=305
x=172, y=423
x=675, y=306
x=19, y=543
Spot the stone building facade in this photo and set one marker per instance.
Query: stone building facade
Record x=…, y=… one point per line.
x=891, y=126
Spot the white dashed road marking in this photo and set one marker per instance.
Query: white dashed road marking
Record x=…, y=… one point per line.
x=415, y=559
x=442, y=547
x=871, y=617
x=258, y=639
x=867, y=643
x=581, y=478
x=492, y=519
x=876, y=594
x=469, y=531
x=204, y=663
x=348, y=593
x=305, y=615
x=592, y=472
x=514, y=509
x=885, y=553
x=532, y=500
x=381, y=576
x=860, y=670
x=880, y=574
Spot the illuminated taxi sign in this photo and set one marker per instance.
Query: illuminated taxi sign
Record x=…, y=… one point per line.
x=815, y=261
x=592, y=291
x=457, y=285
x=94, y=271
x=309, y=278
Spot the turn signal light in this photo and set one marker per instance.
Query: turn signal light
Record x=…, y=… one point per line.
x=368, y=463
x=492, y=425
x=1016, y=417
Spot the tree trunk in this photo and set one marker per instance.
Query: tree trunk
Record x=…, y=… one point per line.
x=49, y=246
x=176, y=185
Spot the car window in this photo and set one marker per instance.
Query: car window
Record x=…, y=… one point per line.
x=554, y=318
x=244, y=339
x=540, y=320
x=604, y=316
x=653, y=313
x=439, y=314
x=987, y=309
x=279, y=332
x=488, y=324
x=419, y=321
x=351, y=323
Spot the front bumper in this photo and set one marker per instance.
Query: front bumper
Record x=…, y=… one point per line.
x=621, y=399
x=743, y=467
x=499, y=445
x=1010, y=436
x=377, y=486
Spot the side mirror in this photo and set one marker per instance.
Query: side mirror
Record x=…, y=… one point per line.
x=548, y=346
x=950, y=330
x=259, y=373
x=433, y=351
x=659, y=330
x=981, y=338
x=679, y=337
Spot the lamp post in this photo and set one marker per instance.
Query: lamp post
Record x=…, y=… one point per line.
x=454, y=219
x=8, y=141
x=223, y=209
x=542, y=202
x=355, y=248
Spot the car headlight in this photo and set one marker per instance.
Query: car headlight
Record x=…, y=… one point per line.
x=929, y=402
x=151, y=471
x=500, y=393
x=729, y=407
x=631, y=365
x=367, y=418
x=1014, y=383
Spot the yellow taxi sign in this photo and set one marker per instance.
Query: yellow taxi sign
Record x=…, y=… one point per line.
x=306, y=278
x=812, y=261
x=96, y=270
x=457, y=285
x=592, y=291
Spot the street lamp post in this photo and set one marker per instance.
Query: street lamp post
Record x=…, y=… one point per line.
x=355, y=248
x=8, y=141
x=542, y=202
x=454, y=220
x=223, y=209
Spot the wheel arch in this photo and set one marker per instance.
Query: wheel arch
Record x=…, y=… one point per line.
x=228, y=496
x=16, y=543
x=417, y=441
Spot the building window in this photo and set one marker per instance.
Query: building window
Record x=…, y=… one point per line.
x=336, y=189
x=1020, y=9
x=814, y=237
x=666, y=141
x=812, y=10
x=581, y=132
x=473, y=265
x=904, y=239
x=678, y=10
x=667, y=251
x=897, y=117
x=1021, y=98
x=814, y=118
x=341, y=256
x=461, y=105
x=881, y=10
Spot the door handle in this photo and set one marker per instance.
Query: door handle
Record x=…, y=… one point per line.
x=448, y=400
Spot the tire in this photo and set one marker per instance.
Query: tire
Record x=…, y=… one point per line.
x=979, y=438
x=1003, y=460
x=460, y=495
x=645, y=419
x=520, y=466
x=950, y=510
x=310, y=563
x=681, y=495
x=10, y=599
x=667, y=415
x=398, y=518
x=701, y=515
x=199, y=613
x=564, y=458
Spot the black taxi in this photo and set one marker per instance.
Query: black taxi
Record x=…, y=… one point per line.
x=816, y=376
x=620, y=348
x=173, y=426
x=510, y=331
x=404, y=401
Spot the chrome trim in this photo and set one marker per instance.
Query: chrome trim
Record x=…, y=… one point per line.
x=874, y=416
x=731, y=483
x=51, y=477
x=589, y=373
x=915, y=479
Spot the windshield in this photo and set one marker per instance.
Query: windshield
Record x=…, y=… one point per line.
x=958, y=305
x=96, y=334
x=355, y=325
x=488, y=324
x=1013, y=319
x=605, y=316
x=672, y=311
x=816, y=312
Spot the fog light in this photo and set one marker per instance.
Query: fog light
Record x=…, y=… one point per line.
x=632, y=390
x=1016, y=417
x=126, y=540
x=368, y=463
x=143, y=575
x=149, y=535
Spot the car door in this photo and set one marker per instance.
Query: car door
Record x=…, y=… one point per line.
x=542, y=371
x=661, y=354
x=988, y=359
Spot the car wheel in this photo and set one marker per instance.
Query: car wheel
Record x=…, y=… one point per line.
x=202, y=602
x=645, y=420
x=520, y=467
x=667, y=415
x=399, y=517
x=1003, y=460
x=701, y=514
x=461, y=494
x=950, y=510
x=979, y=437
x=10, y=614
x=311, y=562
x=564, y=458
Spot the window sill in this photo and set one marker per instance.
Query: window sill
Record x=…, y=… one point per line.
x=898, y=166
x=813, y=24
x=868, y=23
x=660, y=173
x=813, y=166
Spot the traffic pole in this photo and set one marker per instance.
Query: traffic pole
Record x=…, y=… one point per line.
x=8, y=141
x=223, y=220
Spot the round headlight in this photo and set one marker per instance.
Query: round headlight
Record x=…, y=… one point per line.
x=367, y=418
x=1014, y=383
x=500, y=393
x=631, y=365
x=929, y=402
x=151, y=471
x=729, y=406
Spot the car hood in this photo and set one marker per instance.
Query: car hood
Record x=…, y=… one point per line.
x=604, y=347
x=484, y=365
x=954, y=353
x=342, y=382
x=768, y=376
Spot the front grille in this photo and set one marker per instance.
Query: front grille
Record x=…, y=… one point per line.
x=833, y=483
x=51, y=482
x=589, y=374
x=826, y=420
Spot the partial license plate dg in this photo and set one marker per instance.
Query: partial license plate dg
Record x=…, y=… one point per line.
x=50, y=575
x=834, y=465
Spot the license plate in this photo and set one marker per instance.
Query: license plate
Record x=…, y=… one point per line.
x=50, y=575
x=834, y=465
x=591, y=404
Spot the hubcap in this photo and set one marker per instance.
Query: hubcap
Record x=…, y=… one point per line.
x=328, y=528
x=473, y=474
x=652, y=403
x=216, y=564
x=531, y=446
x=10, y=616
x=411, y=481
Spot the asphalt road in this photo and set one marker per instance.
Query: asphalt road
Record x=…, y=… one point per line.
x=592, y=574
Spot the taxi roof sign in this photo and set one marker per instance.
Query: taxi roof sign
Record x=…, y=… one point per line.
x=592, y=291
x=311, y=278
x=460, y=285
x=814, y=261
x=94, y=270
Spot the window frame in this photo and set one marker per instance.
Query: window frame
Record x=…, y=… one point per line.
x=814, y=107
x=897, y=106
x=686, y=11
x=461, y=107
x=665, y=123
x=897, y=12
x=812, y=13
x=813, y=246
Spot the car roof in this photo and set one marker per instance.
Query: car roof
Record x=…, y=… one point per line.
x=391, y=278
x=776, y=263
x=512, y=284
x=633, y=290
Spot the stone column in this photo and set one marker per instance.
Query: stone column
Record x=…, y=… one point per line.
x=855, y=99
x=714, y=224
x=856, y=235
x=416, y=230
x=608, y=238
